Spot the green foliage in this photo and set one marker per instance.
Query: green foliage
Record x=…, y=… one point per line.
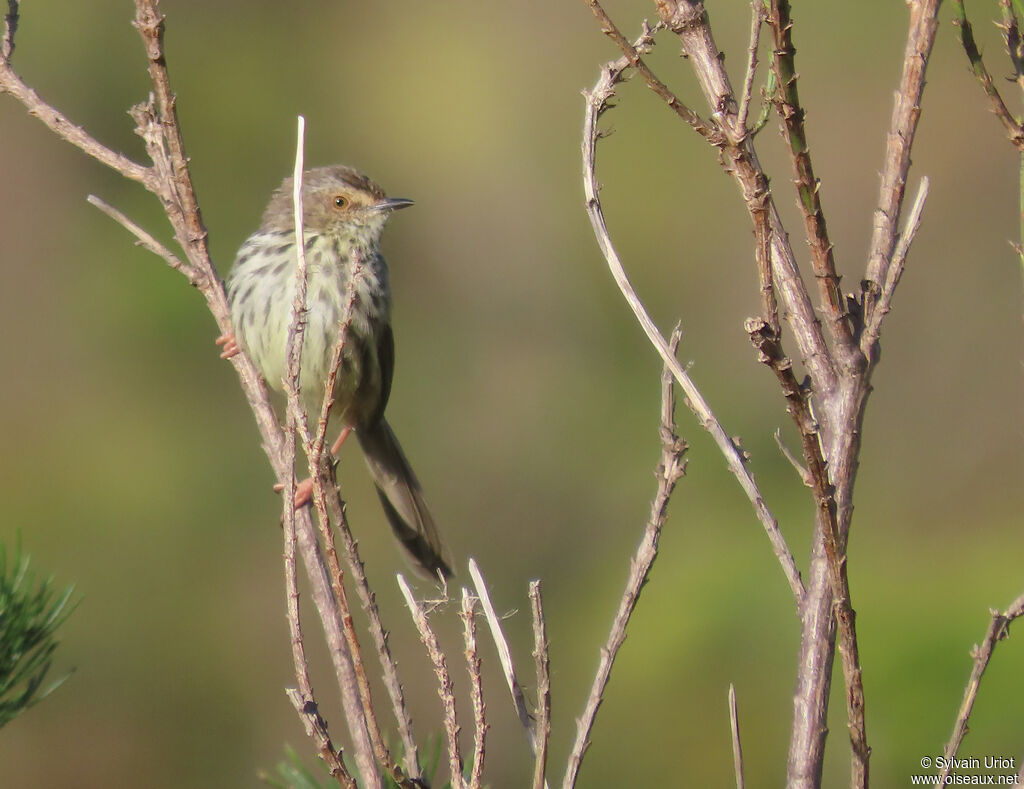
x=29, y=616
x=293, y=774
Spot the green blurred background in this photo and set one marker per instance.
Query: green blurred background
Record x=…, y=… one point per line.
x=525, y=393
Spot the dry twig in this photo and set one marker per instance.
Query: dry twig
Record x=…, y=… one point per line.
x=903, y=127
x=792, y=114
x=1014, y=128
x=476, y=689
x=540, y=656
x=734, y=731
x=445, y=689
x=504, y=655
x=670, y=469
x=756, y=21
x=797, y=398
x=316, y=730
x=998, y=629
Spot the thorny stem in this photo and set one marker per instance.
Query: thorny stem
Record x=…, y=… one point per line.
x=902, y=130
x=797, y=399
x=792, y=114
x=541, y=661
x=445, y=687
x=998, y=629
x=1014, y=129
x=476, y=691
x=1012, y=15
x=671, y=467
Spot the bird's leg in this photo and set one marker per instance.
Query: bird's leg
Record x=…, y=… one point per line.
x=304, y=490
x=336, y=446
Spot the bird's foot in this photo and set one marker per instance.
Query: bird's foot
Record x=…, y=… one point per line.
x=229, y=345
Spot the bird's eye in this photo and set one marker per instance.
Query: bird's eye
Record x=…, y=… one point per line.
x=340, y=201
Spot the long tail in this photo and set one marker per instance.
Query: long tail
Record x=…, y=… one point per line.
x=402, y=499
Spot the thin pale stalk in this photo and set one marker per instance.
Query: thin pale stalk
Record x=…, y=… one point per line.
x=734, y=731
x=145, y=240
x=543, y=667
x=504, y=655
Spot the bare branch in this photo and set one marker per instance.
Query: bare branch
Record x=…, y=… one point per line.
x=540, y=656
x=597, y=100
x=316, y=730
x=329, y=507
x=805, y=475
x=633, y=53
x=145, y=240
x=670, y=469
x=302, y=697
x=756, y=20
x=58, y=123
x=180, y=197
x=476, y=689
x=1014, y=129
x=903, y=127
x=797, y=398
x=446, y=690
x=792, y=115
x=333, y=619
x=504, y=655
x=734, y=730
x=899, y=258
x=998, y=629
x=368, y=601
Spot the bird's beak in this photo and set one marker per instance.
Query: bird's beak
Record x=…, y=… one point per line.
x=393, y=203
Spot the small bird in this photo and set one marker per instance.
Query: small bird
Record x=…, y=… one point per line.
x=344, y=214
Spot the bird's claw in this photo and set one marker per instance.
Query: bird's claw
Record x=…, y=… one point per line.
x=229, y=345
